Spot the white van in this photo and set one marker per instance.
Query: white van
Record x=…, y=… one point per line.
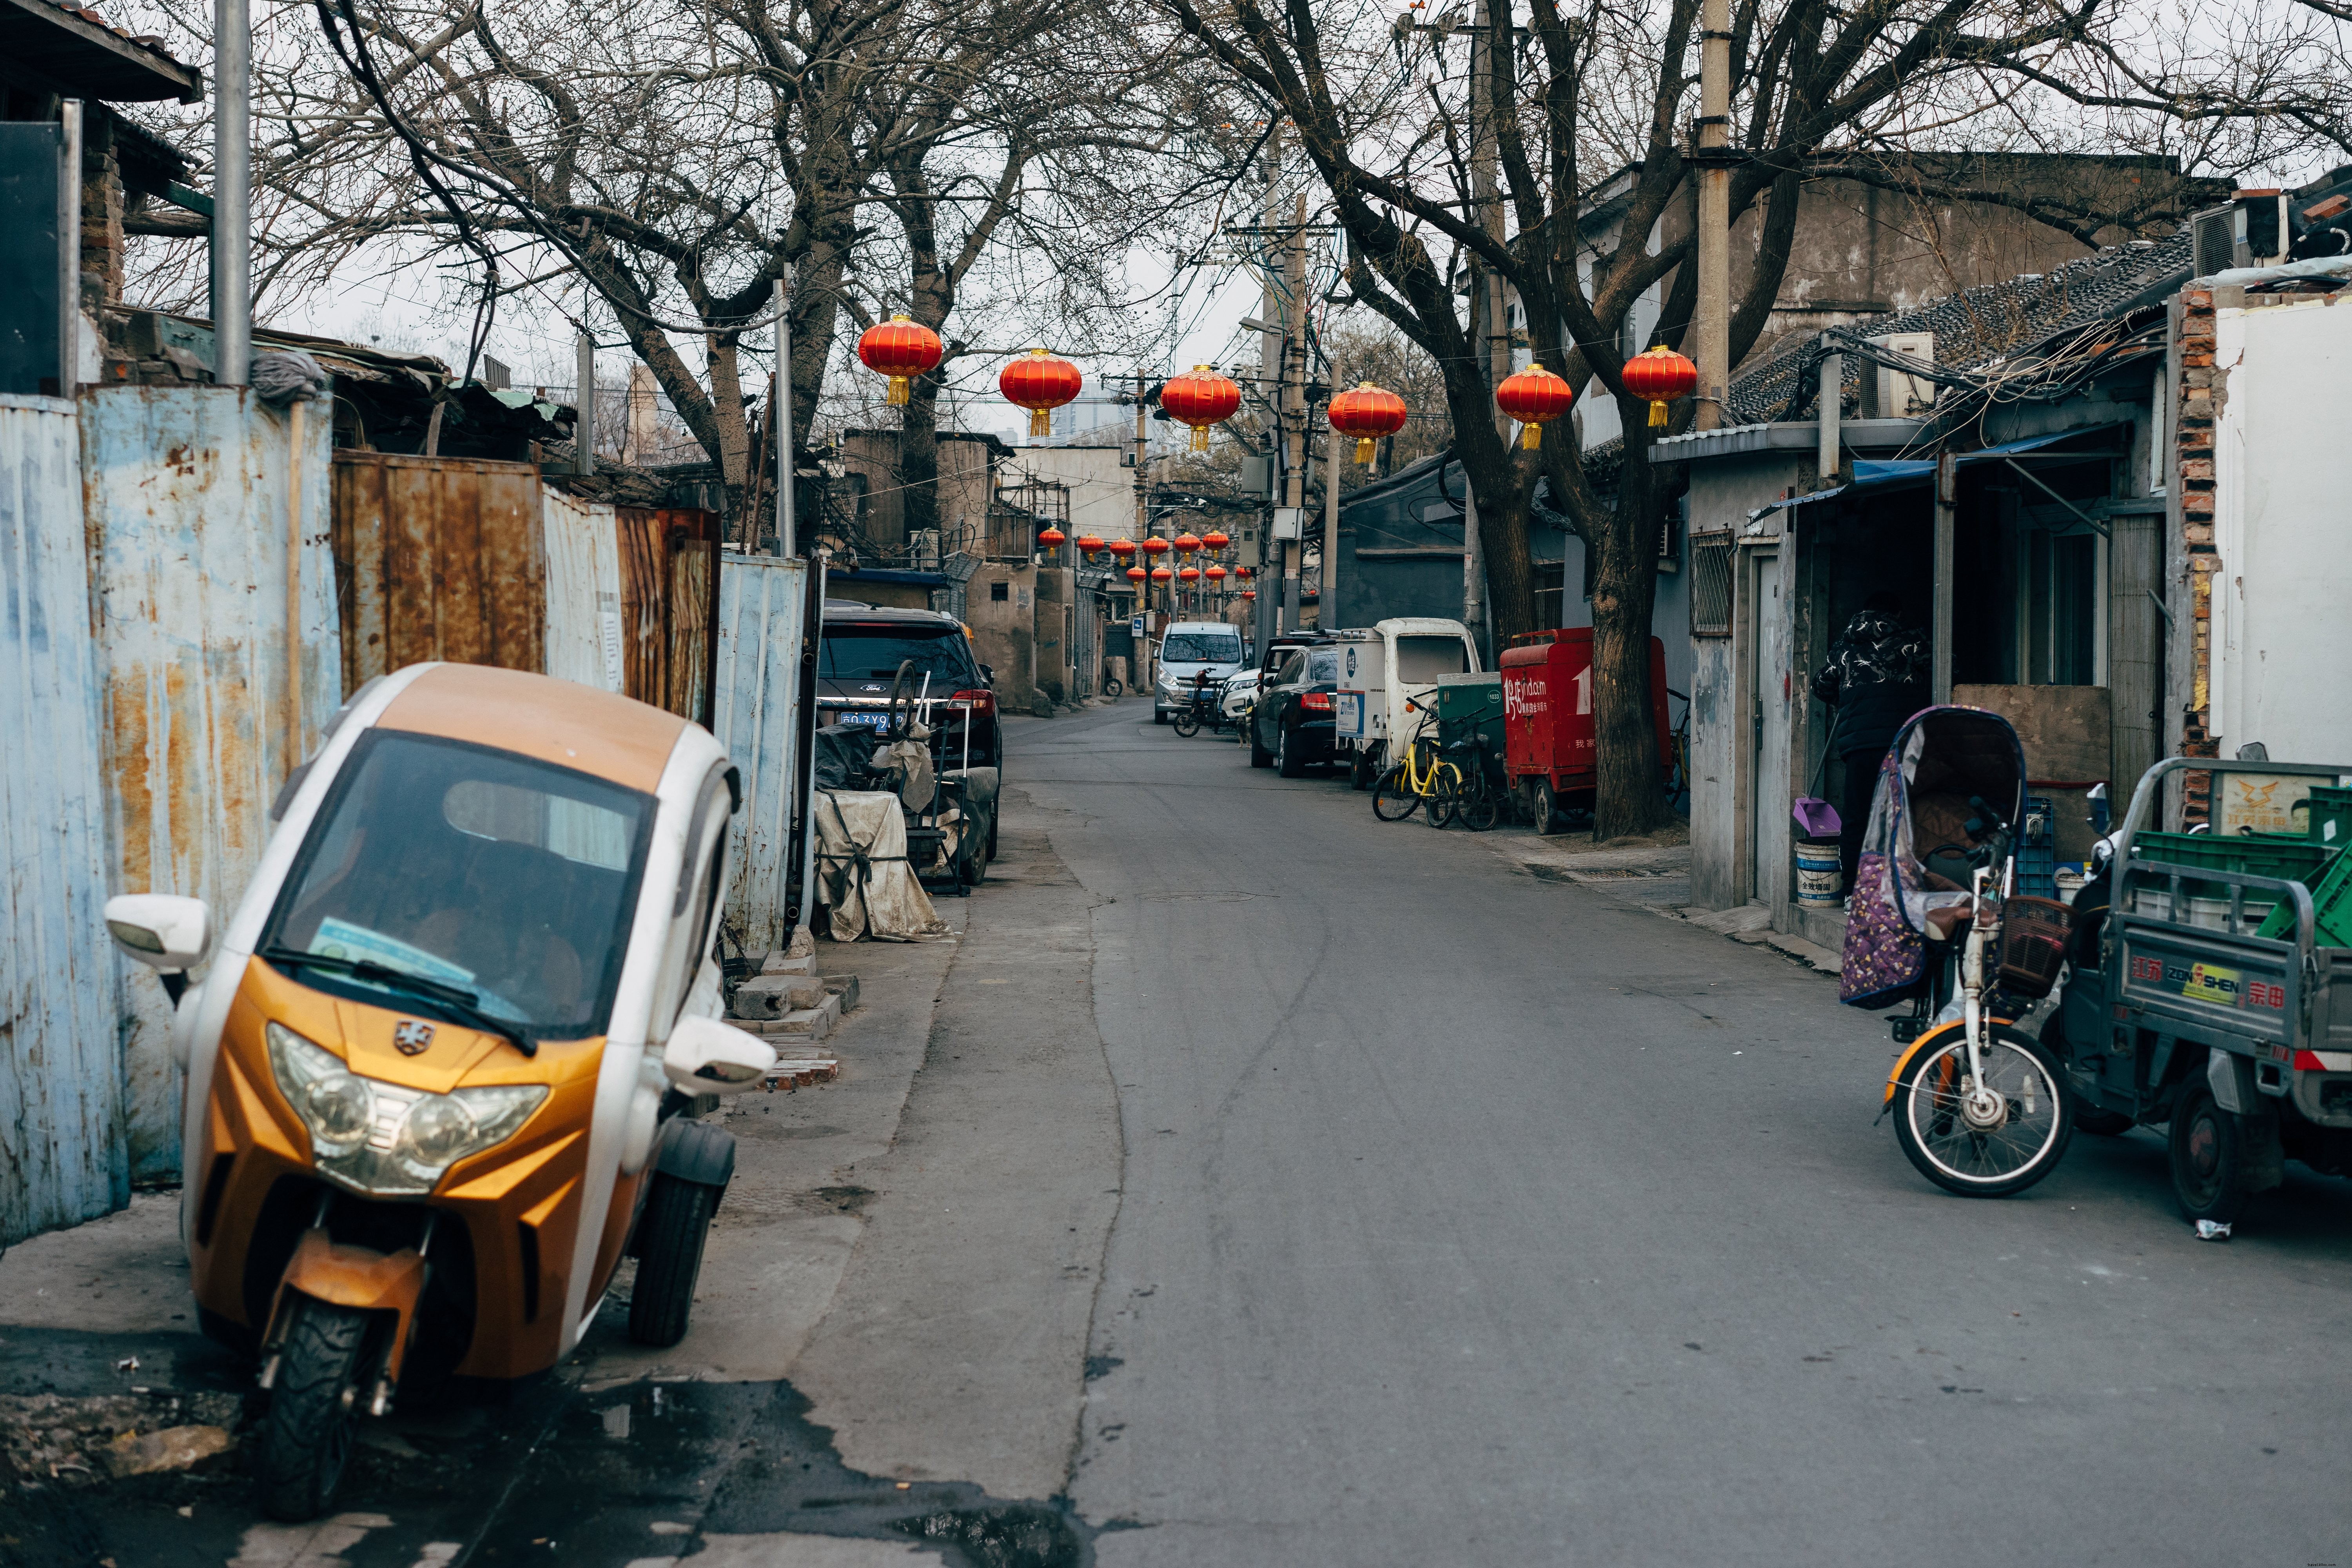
x=1397, y=661
x=1186, y=648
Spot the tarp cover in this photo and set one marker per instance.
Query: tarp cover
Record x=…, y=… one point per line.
x=867, y=887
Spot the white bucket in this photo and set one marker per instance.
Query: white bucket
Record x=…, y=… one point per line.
x=1819, y=873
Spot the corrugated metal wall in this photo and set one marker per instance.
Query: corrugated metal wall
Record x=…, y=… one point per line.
x=762, y=612
x=438, y=558
x=62, y=1156
x=185, y=499
x=583, y=591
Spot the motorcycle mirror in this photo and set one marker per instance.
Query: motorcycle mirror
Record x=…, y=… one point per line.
x=705, y=1056
x=161, y=930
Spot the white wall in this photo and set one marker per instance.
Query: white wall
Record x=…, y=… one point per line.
x=1102, y=492
x=2282, y=470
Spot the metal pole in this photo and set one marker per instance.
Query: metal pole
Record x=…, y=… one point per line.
x=787, y=518
x=584, y=410
x=1326, y=612
x=1140, y=673
x=1832, y=396
x=1293, y=410
x=1947, y=475
x=232, y=192
x=1714, y=324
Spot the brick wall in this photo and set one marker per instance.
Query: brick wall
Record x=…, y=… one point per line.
x=2193, y=456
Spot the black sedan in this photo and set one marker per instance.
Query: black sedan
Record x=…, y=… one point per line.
x=1291, y=726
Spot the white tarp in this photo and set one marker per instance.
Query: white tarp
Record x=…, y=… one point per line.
x=864, y=880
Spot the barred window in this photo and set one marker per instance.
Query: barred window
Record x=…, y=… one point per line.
x=1710, y=585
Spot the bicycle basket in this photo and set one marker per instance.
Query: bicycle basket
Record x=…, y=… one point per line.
x=2033, y=944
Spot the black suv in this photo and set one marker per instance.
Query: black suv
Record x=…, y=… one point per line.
x=1292, y=724
x=863, y=649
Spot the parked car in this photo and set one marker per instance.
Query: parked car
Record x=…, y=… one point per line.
x=862, y=650
x=1239, y=691
x=1291, y=725
x=1186, y=649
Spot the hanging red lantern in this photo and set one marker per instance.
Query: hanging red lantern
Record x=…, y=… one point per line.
x=1091, y=543
x=1199, y=397
x=1041, y=384
x=1122, y=547
x=1534, y=397
x=1368, y=413
x=1051, y=537
x=1135, y=574
x=1187, y=543
x=1243, y=571
x=1160, y=573
x=901, y=350
x=1155, y=546
x=1215, y=573
x=1189, y=575
x=1216, y=539
x=1249, y=592
x=1659, y=376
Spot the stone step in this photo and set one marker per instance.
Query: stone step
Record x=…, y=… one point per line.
x=845, y=985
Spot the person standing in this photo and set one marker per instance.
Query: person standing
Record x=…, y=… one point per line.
x=1876, y=678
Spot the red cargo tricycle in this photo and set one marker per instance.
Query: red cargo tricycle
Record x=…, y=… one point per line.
x=1548, y=750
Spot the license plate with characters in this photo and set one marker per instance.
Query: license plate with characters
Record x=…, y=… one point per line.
x=878, y=721
x=2201, y=981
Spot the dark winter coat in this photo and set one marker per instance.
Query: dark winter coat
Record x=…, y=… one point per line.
x=1876, y=678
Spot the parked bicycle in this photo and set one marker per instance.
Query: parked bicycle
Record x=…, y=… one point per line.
x=1422, y=780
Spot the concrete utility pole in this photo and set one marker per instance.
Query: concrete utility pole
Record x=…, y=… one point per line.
x=1714, y=157
x=1326, y=612
x=1485, y=188
x=232, y=239
x=584, y=410
x=1140, y=674
x=787, y=523
x=1268, y=617
x=1293, y=411
x=1833, y=400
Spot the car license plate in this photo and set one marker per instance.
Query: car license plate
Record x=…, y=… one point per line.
x=878, y=720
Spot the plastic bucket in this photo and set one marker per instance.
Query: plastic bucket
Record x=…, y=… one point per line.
x=1820, y=875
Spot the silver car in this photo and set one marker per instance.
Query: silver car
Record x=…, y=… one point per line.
x=1188, y=649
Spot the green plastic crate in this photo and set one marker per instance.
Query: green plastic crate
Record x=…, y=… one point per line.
x=2252, y=855
x=2331, y=898
x=2331, y=816
x=1466, y=700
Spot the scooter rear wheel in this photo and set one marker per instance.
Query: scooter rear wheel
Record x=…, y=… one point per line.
x=1187, y=724
x=306, y=1437
x=676, y=1224
x=2021, y=1143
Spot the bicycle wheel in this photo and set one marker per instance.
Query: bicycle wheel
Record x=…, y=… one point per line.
x=1188, y=723
x=1393, y=798
x=1479, y=805
x=1445, y=795
x=1992, y=1144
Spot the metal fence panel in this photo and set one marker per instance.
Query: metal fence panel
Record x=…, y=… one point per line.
x=186, y=504
x=763, y=609
x=583, y=591
x=62, y=1157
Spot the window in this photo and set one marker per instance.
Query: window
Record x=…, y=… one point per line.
x=1200, y=647
x=1000, y=592
x=1427, y=658
x=872, y=651
x=1710, y=588
x=1323, y=665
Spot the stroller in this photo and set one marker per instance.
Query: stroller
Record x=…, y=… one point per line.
x=1982, y=1108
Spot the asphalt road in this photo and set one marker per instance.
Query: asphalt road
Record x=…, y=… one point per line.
x=1475, y=1218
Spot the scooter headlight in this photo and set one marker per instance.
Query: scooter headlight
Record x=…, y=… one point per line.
x=380, y=1138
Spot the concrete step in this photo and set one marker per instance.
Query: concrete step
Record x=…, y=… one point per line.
x=802, y=1023
x=846, y=986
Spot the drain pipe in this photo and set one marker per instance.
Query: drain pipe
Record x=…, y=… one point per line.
x=232, y=239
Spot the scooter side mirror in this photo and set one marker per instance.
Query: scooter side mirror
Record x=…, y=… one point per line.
x=705, y=1056
x=161, y=930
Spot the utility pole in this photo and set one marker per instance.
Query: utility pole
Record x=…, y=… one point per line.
x=584, y=409
x=232, y=239
x=1714, y=157
x=1293, y=411
x=1326, y=614
x=786, y=522
x=1270, y=348
x=1140, y=675
x=1484, y=192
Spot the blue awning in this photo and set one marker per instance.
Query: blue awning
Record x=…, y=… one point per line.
x=1907, y=473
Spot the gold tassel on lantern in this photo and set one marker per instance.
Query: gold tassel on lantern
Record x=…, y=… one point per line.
x=901, y=389
x=1364, y=451
x=1041, y=423
x=1530, y=436
x=1657, y=416
x=1199, y=437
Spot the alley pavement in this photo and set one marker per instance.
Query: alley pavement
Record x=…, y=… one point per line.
x=1256, y=1182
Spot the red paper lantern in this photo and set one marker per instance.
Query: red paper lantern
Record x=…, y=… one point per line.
x=1215, y=573
x=1216, y=539
x=1367, y=413
x=1041, y=384
x=1135, y=574
x=901, y=350
x=1243, y=571
x=1091, y=543
x=1249, y=592
x=1534, y=397
x=1187, y=543
x=1122, y=547
x=1660, y=375
x=1199, y=397
x=1189, y=575
x=1155, y=546
x=1160, y=573
x=1051, y=537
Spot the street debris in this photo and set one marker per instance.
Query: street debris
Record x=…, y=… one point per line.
x=2212, y=1230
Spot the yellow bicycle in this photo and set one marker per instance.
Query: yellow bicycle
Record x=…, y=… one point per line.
x=1423, y=781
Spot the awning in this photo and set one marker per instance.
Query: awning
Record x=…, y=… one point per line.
x=1916, y=473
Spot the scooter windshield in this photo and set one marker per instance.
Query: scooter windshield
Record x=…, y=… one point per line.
x=469, y=871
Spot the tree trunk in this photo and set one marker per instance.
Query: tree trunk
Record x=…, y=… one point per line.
x=734, y=433
x=1628, y=798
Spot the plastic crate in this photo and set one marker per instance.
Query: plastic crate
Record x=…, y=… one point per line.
x=2037, y=851
x=2252, y=855
x=2331, y=816
x=2331, y=898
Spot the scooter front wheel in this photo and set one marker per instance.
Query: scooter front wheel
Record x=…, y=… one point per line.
x=1187, y=724
x=306, y=1438
x=1986, y=1144
x=676, y=1224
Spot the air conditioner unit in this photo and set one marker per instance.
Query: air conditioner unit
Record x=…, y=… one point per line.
x=2212, y=241
x=1901, y=395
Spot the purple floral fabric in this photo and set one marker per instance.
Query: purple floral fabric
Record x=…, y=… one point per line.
x=1885, y=952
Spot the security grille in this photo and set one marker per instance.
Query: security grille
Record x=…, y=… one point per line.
x=2214, y=235
x=1710, y=585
